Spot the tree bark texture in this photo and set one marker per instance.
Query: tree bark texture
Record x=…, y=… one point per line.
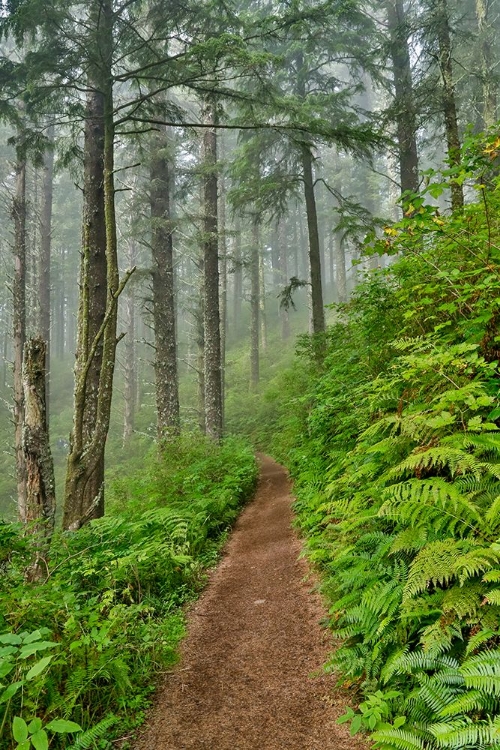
x=489, y=83
x=213, y=374
x=262, y=298
x=19, y=323
x=223, y=286
x=40, y=482
x=404, y=100
x=254, y=305
x=200, y=362
x=317, y=309
x=238, y=279
x=91, y=312
x=86, y=456
x=283, y=268
x=448, y=98
x=130, y=363
x=318, y=312
x=340, y=268
x=166, y=374
x=44, y=273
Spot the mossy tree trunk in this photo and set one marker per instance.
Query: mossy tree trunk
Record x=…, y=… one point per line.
x=254, y=305
x=211, y=317
x=19, y=319
x=404, y=99
x=223, y=271
x=86, y=455
x=40, y=482
x=130, y=358
x=166, y=375
x=283, y=268
x=237, y=278
x=45, y=261
x=442, y=21
x=315, y=272
x=340, y=268
x=489, y=81
x=318, y=312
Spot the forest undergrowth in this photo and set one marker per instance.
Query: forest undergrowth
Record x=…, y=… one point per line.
x=80, y=649
x=394, y=447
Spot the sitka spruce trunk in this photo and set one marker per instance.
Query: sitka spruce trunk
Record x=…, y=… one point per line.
x=86, y=455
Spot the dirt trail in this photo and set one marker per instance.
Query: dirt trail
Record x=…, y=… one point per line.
x=244, y=681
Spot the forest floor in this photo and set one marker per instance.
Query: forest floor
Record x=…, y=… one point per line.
x=250, y=673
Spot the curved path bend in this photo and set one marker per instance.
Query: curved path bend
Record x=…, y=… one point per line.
x=250, y=671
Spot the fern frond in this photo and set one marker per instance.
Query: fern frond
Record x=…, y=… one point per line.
x=482, y=672
x=466, y=733
x=412, y=503
x=409, y=540
x=434, y=564
x=475, y=561
x=402, y=739
x=477, y=640
x=493, y=597
x=87, y=739
x=493, y=513
x=419, y=661
x=472, y=700
x=438, y=637
x=463, y=600
x=435, y=696
x=436, y=458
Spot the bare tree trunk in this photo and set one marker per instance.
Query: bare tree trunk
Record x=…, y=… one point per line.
x=449, y=100
x=262, y=299
x=317, y=309
x=5, y=349
x=238, y=279
x=304, y=262
x=297, y=251
x=254, y=305
x=488, y=81
x=213, y=375
x=275, y=259
x=200, y=366
x=331, y=261
x=167, y=388
x=19, y=322
x=283, y=263
x=86, y=455
x=318, y=312
x=404, y=100
x=58, y=340
x=92, y=305
x=340, y=266
x=223, y=286
x=40, y=484
x=44, y=273
x=130, y=364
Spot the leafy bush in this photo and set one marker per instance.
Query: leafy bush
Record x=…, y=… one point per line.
x=396, y=462
x=82, y=647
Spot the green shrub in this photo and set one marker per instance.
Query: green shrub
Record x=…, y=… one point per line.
x=107, y=616
x=396, y=464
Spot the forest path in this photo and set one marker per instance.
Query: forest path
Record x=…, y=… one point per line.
x=244, y=681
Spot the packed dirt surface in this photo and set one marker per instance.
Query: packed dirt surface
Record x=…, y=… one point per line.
x=250, y=671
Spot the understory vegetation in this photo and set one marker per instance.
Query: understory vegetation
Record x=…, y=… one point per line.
x=79, y=649
x=394, y=448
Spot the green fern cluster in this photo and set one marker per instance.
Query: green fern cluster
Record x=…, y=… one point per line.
x=397, y=471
